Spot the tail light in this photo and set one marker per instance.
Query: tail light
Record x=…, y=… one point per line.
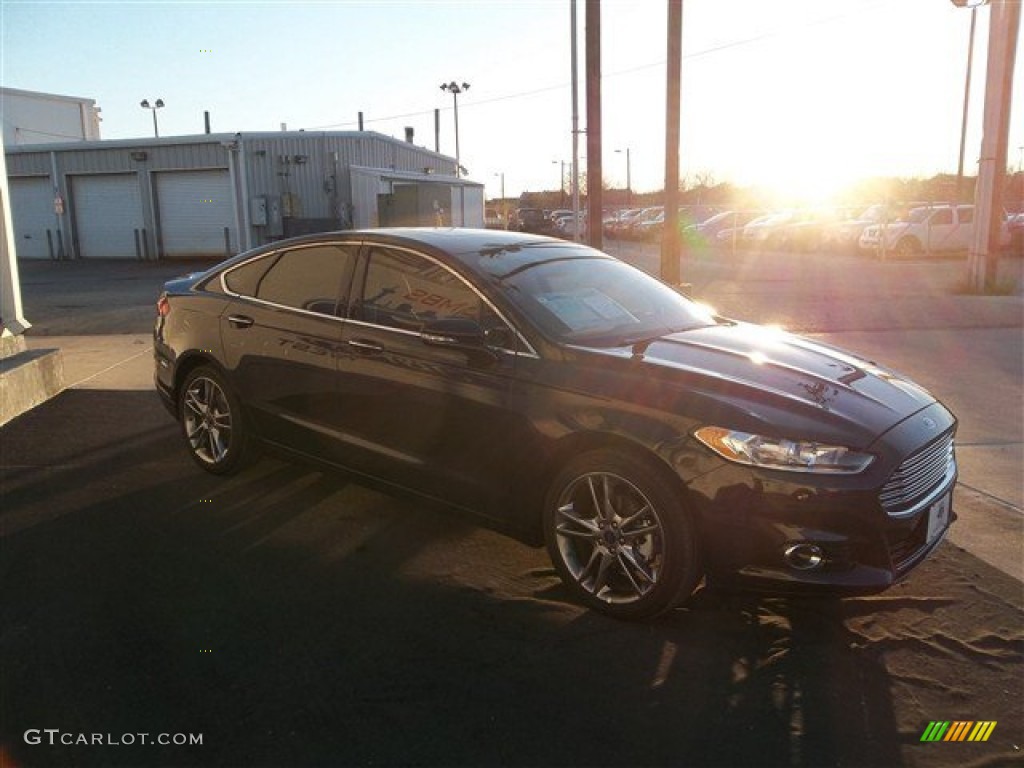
x=163, y=306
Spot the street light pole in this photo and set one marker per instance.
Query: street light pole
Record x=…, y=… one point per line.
x=158, y=105
x=629, y=182
x=504, y=203
x=561, y=182
x=967, y=96
x=455, y=89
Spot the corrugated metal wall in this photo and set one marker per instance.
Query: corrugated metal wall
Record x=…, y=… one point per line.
x=310, y=173
x=313, y=168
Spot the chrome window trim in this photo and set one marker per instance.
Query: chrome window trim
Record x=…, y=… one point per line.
x=530, y=352
x=224, y=285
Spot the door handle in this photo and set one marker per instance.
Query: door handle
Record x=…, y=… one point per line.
x=240, y=321
x=365, y=347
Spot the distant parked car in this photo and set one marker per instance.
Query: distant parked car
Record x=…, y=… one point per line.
x=844, y=235
x=634, y=228
x=931, y=228
x=809, y=230
x=706, y=233
x=533, y=220
x=564, y=226
x=1015, y=224
x=492, y=219
x=765, y=232
x=689, y=215
x=614, y=224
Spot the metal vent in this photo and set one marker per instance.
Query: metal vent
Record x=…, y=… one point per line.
x=918, y=476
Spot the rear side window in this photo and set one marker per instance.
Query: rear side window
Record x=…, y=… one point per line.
x=244, y=280
x=307, y=278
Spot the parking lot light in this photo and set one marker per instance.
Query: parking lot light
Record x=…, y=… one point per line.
x=455, y=89
x=158, y=105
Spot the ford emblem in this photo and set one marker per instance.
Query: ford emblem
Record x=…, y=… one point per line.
x=930, y=423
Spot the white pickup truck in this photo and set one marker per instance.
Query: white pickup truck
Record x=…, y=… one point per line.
x=929, y=228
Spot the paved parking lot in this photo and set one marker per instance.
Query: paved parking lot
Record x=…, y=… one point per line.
x=293, y=617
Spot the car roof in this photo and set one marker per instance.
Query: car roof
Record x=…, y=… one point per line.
x=491, y=251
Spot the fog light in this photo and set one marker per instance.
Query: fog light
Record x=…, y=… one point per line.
x=804, y=557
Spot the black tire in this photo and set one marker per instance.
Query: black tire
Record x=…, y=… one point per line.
x=908, y=247
x=212, y=422
x=634, y=559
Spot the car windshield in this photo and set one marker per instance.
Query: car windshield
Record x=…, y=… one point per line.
x=598, y=301
x=719, y=217
x=916, y=215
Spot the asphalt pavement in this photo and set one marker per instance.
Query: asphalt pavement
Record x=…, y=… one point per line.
x=292, y=617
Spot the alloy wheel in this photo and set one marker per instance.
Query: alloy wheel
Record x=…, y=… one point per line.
x=610, y=538
x=206, y=414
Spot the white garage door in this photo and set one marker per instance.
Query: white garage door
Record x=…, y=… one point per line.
x=32, y=211
x=195, y=207
x=107, y=210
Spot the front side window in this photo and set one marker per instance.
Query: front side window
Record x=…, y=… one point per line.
x=405, y=290
x=942, y=218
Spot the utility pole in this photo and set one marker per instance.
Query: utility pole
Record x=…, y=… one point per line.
x=594, y=192
x=575, y=125
x=670, y=236
x=983, y=259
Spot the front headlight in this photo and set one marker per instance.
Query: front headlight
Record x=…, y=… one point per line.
x=780, y=453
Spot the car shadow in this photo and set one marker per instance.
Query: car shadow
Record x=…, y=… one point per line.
x=294, y=617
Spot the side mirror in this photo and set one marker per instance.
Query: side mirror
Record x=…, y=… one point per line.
x=460, y=334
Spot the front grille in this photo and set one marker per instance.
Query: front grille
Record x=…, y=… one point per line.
x=918, y=476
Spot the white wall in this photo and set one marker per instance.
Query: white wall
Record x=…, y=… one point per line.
x=43, y=118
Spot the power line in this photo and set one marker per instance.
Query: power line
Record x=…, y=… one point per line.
x=630, y=70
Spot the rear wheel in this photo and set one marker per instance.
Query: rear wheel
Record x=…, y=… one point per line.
x=618, y=536
x=212, y=423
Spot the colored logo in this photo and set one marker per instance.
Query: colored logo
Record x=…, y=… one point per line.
x=958, y=730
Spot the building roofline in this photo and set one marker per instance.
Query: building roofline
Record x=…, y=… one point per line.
x=391, y=173
x=52, y=96
x=210, y=138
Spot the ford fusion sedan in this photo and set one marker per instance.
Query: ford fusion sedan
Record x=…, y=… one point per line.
x=579, y=403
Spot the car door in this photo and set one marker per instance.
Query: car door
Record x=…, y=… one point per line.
x=281, y=335
x=430, y=418
x=940, y=231
x=965, y=227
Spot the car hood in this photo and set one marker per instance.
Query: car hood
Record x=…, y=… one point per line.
x=754, y=377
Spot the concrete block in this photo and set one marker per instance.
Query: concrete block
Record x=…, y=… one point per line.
x=11, y=345
x=28, y=378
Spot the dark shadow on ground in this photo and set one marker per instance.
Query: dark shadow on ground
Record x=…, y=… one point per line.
x=295, y=618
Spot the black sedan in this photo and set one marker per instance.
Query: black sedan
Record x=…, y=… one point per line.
x=569, y=397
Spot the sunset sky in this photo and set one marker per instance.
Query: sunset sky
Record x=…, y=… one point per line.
x=801, y=96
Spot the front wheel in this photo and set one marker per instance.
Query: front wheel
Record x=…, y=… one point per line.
x=212, y=423
x=908, y=247
x=618, y=536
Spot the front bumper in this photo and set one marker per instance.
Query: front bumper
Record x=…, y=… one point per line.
x=787, y=533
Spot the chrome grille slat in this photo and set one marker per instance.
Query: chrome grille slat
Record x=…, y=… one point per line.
x=915, y=464
x=911, y=485
x=918, y=475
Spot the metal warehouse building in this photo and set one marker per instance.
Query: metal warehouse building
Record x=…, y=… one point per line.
x=217, y=194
